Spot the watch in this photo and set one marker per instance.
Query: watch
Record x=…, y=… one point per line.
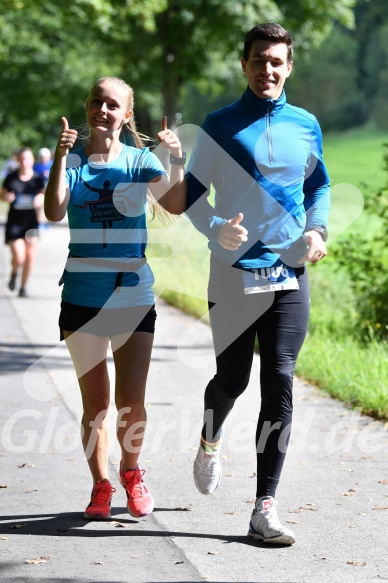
x=177, y=161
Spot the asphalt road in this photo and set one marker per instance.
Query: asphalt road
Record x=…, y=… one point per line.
x=333, y=492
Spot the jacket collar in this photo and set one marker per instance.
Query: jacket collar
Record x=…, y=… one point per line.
x=261, y=106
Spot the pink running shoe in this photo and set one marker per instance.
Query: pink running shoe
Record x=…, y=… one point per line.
x=100, y=501
x=140, y=501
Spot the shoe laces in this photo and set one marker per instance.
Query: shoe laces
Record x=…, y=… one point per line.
x=208, y=464
x=101, y=493
x=134, y=483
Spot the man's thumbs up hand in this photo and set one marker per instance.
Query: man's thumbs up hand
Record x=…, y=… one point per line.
x=232, y=234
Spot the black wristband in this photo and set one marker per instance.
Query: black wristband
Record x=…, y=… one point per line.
x=176, y=161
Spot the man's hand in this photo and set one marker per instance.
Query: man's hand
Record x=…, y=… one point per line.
x=316, y=247
x=232, y=234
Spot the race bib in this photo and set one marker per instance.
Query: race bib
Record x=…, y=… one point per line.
x=265, y=279
x=23, y=202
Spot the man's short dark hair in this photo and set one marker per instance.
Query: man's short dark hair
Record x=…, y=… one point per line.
x=268, y=31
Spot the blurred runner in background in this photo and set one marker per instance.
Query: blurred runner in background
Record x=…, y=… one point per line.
x=23, y=189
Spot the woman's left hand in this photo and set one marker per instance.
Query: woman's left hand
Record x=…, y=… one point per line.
x=169, y=140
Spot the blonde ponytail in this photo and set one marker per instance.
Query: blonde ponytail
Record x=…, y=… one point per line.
x=131, y=137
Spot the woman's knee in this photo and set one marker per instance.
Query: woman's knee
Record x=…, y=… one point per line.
x=130, y=409
x=96, y=412
x=18, y=259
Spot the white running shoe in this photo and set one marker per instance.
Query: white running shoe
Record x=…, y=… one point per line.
x=207, y=468
x=265, y=524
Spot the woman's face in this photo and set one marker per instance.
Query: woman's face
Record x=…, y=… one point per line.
x=26, y=159
x=107, y=108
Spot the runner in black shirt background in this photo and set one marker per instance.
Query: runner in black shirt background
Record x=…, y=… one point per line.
x=24, y=190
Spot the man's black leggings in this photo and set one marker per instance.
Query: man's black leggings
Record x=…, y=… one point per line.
x=279, y=321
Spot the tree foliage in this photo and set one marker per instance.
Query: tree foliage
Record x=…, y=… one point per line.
x=190, y=40
x=51, y=52
x=44, y=69
x=345, y=81
x=324, y=81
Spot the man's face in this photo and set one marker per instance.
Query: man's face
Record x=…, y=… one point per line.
x=267, y=68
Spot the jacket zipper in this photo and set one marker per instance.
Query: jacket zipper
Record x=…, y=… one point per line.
x=269, y=135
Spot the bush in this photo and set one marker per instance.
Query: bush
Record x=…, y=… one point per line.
x=366, y=262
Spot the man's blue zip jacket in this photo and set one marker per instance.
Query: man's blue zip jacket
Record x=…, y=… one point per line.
x=264, y=159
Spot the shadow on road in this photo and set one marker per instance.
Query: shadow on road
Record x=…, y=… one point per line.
x=72, y=524
x=18, y=357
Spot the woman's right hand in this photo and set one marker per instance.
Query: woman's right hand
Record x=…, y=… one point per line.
x=57, y=193
x=66, y=139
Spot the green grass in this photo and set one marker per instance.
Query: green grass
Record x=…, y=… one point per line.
x=181, y=277
x=358, y=375
x=355, y=157
x=355, y=163
x=330, y=357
